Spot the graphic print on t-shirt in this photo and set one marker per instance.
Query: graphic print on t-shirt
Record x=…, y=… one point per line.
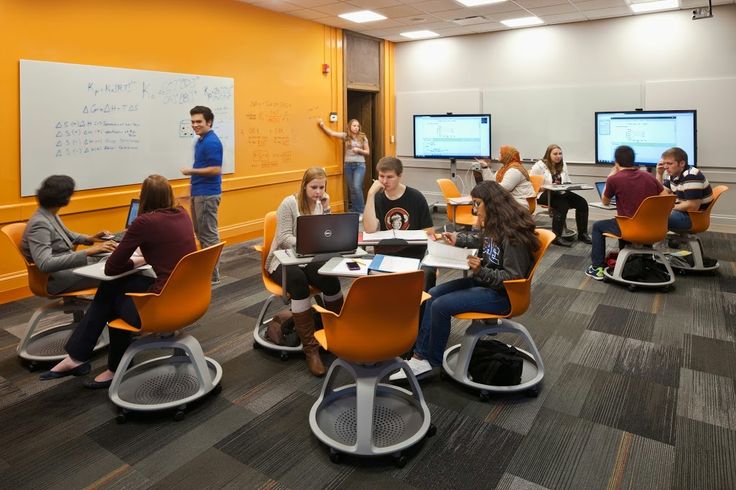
x=492, y=251
x=397, y=219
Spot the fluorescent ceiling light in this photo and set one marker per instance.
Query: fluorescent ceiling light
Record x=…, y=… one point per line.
x=652, y=6
x=420, y=34
x=362, y=16
x=522, y=22
x=476, y=3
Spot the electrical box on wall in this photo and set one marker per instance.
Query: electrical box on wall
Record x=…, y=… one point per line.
x=333, y=116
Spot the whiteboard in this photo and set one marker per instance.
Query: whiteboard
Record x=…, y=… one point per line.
x=113, y=126
x=531, y=118
x=436, y=102
x=715, y=101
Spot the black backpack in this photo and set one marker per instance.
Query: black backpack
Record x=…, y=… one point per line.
x=495, y=363
x=643, y=268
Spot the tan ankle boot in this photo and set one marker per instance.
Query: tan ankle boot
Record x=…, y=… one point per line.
x=304, y=326
x=335, y=305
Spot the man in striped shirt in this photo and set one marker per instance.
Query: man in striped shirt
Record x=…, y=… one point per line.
x=687, y=183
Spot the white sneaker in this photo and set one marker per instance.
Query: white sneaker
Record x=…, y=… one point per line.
x=417, y=366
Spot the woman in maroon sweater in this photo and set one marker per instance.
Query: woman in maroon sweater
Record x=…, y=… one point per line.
x=163, y=232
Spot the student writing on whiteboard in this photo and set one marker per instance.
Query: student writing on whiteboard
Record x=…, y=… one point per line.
x=206, y=180
x=506, y=245
x=687, y=183
x=51, y=245
x=163, y=232
x=311, y=199
x=512, y=175
x=356, y=149
x=554, y=169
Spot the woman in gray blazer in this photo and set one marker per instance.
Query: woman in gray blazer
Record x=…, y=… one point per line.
x=50, y=245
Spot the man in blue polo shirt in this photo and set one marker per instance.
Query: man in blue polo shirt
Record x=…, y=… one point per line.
x=206, y=180
x=687, y=183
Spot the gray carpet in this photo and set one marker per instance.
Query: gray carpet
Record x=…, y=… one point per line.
x=639, y=393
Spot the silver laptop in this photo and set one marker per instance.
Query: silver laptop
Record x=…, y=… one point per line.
x=132, y=215
x=600, y=186
x=326, y=234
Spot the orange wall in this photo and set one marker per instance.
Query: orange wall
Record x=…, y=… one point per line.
x=280, y=92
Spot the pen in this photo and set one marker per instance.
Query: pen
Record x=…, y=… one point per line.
x=286, y=251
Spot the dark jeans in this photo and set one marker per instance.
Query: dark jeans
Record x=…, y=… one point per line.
x=298, y=280
x=679, y=221
x=598, y=251
x=561, y=202
x=109, y=304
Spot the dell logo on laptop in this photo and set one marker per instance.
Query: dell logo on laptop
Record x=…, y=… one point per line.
x=328, y=233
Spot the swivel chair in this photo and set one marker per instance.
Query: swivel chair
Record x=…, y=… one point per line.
x=170, y=381
x=647, y=227
x=456, y=359
x=368, y=417
x=461, y=214
x=48, y=344
x=537, y=183
x=700, y=222
x=277, y=290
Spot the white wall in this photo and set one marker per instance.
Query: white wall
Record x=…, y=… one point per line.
x=643, y=50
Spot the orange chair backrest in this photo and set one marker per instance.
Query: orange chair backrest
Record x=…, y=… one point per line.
x=448, y=188
x=184, y=298
x=537, y=181
x=519, y=290
x=269, y=230
x=37, y=280
x=701, y=219
x=463, y=213
x=649, y=223
x=379, y=320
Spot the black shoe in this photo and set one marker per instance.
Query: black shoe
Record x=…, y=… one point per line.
x=80, y=370
x=585, y=238
x=97, y=385
x=562, y=242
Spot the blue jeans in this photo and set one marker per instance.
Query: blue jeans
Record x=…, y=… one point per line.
x=354, y=174
x=451, y=298
x=598, y=251
x=679, y=221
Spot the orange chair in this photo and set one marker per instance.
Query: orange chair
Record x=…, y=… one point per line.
x=457, y=213
x=647, y=227
x=173, y=380
x=700, y=222
x=456, y=359
x=48, y=344
x=368, y=417
x=537, y=183
x=276, y=290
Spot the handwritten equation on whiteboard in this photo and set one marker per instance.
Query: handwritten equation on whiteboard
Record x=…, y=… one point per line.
x=113, y=126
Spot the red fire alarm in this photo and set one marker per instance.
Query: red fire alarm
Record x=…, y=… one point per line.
x=325, y=68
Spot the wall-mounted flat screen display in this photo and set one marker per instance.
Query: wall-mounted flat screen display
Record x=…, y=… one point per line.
x=452, y=136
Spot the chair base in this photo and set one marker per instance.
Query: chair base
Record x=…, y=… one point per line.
x=616, y=274
x=699, y=262
x=259, y=333
x=165, y=382
x=369, y=418
x=456, y=359
x=48, y=345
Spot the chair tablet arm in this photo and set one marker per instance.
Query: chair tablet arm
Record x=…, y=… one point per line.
x=141, y=295
x=258, y=248
x=425, y=296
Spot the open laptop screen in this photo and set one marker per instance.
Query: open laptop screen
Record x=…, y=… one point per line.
x=326, y=233
x=600, y=186
x=132, y=212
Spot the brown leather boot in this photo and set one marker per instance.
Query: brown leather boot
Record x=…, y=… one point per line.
x=304, y=326
x=335, y=306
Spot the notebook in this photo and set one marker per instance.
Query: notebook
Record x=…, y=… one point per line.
x=326, y=234
x=132, y=215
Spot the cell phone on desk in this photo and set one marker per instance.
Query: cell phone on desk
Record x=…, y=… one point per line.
x=352, y=265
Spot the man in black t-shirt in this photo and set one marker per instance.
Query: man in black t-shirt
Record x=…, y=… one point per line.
x=392, y=205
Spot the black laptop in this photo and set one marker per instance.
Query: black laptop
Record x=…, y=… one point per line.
x=132, y=215
x=318, y=234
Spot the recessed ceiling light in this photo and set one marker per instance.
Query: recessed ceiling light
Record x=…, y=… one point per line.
x=420, y=34
x=652, y=6
x=476, y=3
x=522, y=22
x=362, y=16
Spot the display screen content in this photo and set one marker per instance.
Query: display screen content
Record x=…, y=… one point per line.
x=649, y=133
x=452, y=136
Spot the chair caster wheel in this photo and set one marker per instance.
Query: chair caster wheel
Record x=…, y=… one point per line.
x=179, y=415
x=532, y=392
x=256, y=345
x=484, y=396
x=432, y=430
x=666, y=289
x=400, y=460
x=32, y=367
x=632, y=288
x=121, y=417
x=284, y=356
x=217, y=389
x=335, y=457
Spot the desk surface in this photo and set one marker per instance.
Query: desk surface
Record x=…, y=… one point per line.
x=337, y=266
x=460, y=201
x=600, y=205
x=567, y=187
x=288, y=257
x=97, y=271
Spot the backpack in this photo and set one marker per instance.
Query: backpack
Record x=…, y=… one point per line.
x=280, y=330
x=643, y=268
x=495, y=363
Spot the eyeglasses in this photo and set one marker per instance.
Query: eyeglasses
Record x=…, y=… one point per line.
x=474, y=210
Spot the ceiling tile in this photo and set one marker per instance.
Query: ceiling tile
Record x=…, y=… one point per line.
x=307, y=14
x=600, y=4
x=307, y=3
x=437, y=6
x=375, y=4
x=337, y=8
x=400, y=11
x=530, y=4
x=277, y=6
x=565, y=8
x=562, y=18
x=607, y=13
